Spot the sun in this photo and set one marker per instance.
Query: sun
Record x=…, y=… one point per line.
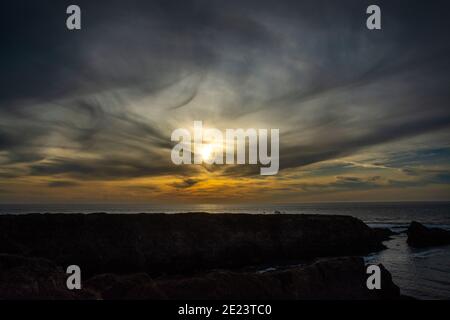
x=206, y=151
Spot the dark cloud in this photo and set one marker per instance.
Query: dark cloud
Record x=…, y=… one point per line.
x=348, y=179
x=110, y=94
x=62, y=184
x=107, y=169
x=142, y=188
x=186, y=183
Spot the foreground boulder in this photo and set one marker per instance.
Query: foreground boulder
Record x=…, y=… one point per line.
x=333, y=278
x=336, y=278
x=33, y=278
x=421, y=236
x=160, y=244
x=384, y=234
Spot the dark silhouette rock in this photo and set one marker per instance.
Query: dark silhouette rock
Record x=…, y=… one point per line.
x=33, y=278
x=383, y=234
x=138, y=256
x=160, y=244
x=129, y=287
x=335, y=278
x=421, y=236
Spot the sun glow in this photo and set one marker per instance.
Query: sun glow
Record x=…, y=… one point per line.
x=206, y=151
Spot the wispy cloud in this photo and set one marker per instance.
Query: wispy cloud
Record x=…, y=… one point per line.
x=100, y=104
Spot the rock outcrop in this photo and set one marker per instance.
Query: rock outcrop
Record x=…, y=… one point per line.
x=187, y=256
x=333, y=278
x=383, y=234
x=33, y=278
x=421, y=236
x=159, y=244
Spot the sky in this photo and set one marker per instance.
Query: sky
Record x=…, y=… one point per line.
x=86, y=116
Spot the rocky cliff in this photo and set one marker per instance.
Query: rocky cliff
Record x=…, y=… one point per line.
x=183, y=243
x=421, y=236
x=332, y=278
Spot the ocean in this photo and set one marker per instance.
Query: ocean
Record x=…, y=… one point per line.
x=420, y=273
